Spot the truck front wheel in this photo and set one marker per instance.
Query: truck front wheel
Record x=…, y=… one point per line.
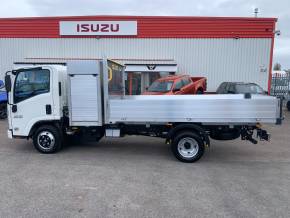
x=187, y=146
x=47, y=139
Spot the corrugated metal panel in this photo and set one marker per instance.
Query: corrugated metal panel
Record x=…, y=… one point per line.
x=217, y=59
x=148, y=27
x=151, y=61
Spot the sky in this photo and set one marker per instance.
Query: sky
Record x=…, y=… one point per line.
x=267, y=8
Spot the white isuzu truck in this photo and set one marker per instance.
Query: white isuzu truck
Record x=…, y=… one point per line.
x=51, y=102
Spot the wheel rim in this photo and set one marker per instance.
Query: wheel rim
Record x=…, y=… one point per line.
x=45, y=140
x=188, y=147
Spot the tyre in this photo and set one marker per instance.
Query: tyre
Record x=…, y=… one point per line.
x=3, y=111
x=288, y=105
x=47, y=139
x=187, y=146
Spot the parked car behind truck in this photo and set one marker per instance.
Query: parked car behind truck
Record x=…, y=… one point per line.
x=239, y=88
x=3, y=101
x=177, y=85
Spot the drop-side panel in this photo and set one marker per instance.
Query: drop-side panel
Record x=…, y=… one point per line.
x=210, y=109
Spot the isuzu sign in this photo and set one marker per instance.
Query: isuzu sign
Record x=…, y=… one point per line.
x=98, y=28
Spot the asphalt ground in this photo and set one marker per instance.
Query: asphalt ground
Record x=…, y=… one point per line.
x=139, y=177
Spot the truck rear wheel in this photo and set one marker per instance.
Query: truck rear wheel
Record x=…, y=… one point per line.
x=47, y=139
x=187, y=147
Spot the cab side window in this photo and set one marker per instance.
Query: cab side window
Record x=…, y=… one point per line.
x=31, y=83
x=231, y=89
x=179, y=84
x=222, y=88
x=186, y=81
x=227, y=88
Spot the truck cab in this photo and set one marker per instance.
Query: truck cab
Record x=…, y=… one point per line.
x=37, y=97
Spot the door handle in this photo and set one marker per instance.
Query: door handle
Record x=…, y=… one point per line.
x=14, y=108
x=48, y=109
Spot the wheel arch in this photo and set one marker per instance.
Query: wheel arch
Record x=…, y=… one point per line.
x=44, y=123
x=196, y=128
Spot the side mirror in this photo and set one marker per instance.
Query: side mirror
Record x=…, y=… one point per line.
x=8, y=83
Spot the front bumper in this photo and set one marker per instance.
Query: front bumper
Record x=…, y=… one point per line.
x=9, y=134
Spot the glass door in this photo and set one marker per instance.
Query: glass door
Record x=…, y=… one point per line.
x=133, y=83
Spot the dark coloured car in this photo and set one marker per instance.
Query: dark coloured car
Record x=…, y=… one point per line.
x=239, y=88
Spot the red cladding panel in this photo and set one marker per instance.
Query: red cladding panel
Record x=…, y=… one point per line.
x=148, y=27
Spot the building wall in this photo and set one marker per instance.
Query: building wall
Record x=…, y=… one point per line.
x=148, y=26
x=219, y=59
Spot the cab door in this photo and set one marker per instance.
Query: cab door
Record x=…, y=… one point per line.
x=32, y=99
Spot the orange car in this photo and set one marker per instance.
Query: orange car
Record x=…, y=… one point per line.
x=177, y=85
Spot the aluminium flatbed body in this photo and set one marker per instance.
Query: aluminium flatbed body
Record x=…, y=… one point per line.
x=204, y=109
